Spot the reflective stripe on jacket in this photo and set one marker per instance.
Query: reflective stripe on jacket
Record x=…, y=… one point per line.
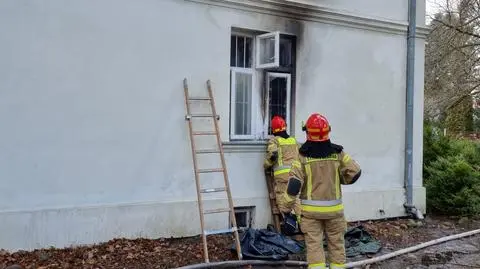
x=287, y=151
x=321, y=178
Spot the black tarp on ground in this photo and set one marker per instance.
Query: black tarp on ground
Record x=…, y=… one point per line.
x=359, y=242
x=267, y=244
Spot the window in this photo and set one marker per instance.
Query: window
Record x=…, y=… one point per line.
x=241, y=48
x=278, y=96
x=268, y=52
x=244, y=217
x=261, y=82
x=242, y=82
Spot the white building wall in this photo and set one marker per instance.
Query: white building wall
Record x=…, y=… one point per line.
x=93, y=141
x=395, y=10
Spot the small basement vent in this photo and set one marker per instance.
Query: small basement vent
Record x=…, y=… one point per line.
x=244, y=216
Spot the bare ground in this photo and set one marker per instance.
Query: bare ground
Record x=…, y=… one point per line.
x=172, y=253
x=455, y=254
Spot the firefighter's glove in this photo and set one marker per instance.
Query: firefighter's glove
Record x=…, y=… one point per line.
x=274, y=156
x=296, y=215
x=289, y=224
x=285, y=211
x=268, y=171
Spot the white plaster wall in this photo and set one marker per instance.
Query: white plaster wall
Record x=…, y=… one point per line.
x=396, y=10
x=359, y=84
x=93, y=142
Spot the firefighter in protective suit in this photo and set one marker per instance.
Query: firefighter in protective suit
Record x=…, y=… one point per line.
x=282, y=151
x=317, y=175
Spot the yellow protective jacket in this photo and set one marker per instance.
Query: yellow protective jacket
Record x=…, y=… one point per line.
x=321, y=193
x=287, y=150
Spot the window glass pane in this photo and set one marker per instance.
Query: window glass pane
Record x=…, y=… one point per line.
x=267, y=50
x=243, y=103
x=285, y=52
x=241, y=219
x=277, y=102
x=233, y=50
x=240, y=51
x=248, y=52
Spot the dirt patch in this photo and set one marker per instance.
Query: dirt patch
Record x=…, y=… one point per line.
x=461, y=253
x=401, y=233
x=172, y=253
x=123, y=253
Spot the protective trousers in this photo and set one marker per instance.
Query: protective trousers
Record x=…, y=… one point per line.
x=280, y=186
x=334, y=230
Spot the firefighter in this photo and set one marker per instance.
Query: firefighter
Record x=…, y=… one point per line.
x=317, y=175
x=282, y=150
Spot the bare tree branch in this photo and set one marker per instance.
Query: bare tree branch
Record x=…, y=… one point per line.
x=473, y=91
x=457, y=28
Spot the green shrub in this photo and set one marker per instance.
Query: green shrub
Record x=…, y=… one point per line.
x=453, y=187
x=469, y=150
x=451, y=174
x=435, y=145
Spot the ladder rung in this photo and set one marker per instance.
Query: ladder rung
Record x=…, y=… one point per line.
x=214, y=170
x=204, y=133
x=189, y=117
x=222, y=231
x=210, y=190
x=202, y=115
x=206, y=151
x=199, y=98
x=214, y=211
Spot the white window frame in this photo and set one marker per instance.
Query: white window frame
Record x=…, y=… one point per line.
x=233, y=71
x=289, y=92
x=249, y=214
x=259, y=129
x=276, y=61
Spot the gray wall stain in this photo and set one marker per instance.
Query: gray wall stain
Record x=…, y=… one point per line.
x=211, y=17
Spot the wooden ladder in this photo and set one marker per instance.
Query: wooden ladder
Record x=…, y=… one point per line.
x=273, y=202
x=276, y=215
x=219, y=150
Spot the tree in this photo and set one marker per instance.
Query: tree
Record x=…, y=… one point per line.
x=451, y=64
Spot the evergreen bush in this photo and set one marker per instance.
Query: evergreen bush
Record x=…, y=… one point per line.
x=451, y=174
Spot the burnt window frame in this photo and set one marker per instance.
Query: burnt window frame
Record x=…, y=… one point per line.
x=259, y=87
x=291, y=70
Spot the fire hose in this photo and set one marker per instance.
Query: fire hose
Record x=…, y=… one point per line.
x=302, y=264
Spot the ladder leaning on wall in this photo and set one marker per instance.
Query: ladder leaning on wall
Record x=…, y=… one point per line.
x=219, y=150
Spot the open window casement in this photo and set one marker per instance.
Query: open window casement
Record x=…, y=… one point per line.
x=278, y=87
x=268, y=50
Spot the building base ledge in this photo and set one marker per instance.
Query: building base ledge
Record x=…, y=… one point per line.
x=74, y=226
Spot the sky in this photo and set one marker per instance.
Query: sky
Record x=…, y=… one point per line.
x=432, y=6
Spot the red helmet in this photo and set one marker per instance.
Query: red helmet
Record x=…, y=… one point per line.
x=317, y=128
x=278, y=124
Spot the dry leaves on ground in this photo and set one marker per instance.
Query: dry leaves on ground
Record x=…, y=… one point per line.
x=172, y=253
